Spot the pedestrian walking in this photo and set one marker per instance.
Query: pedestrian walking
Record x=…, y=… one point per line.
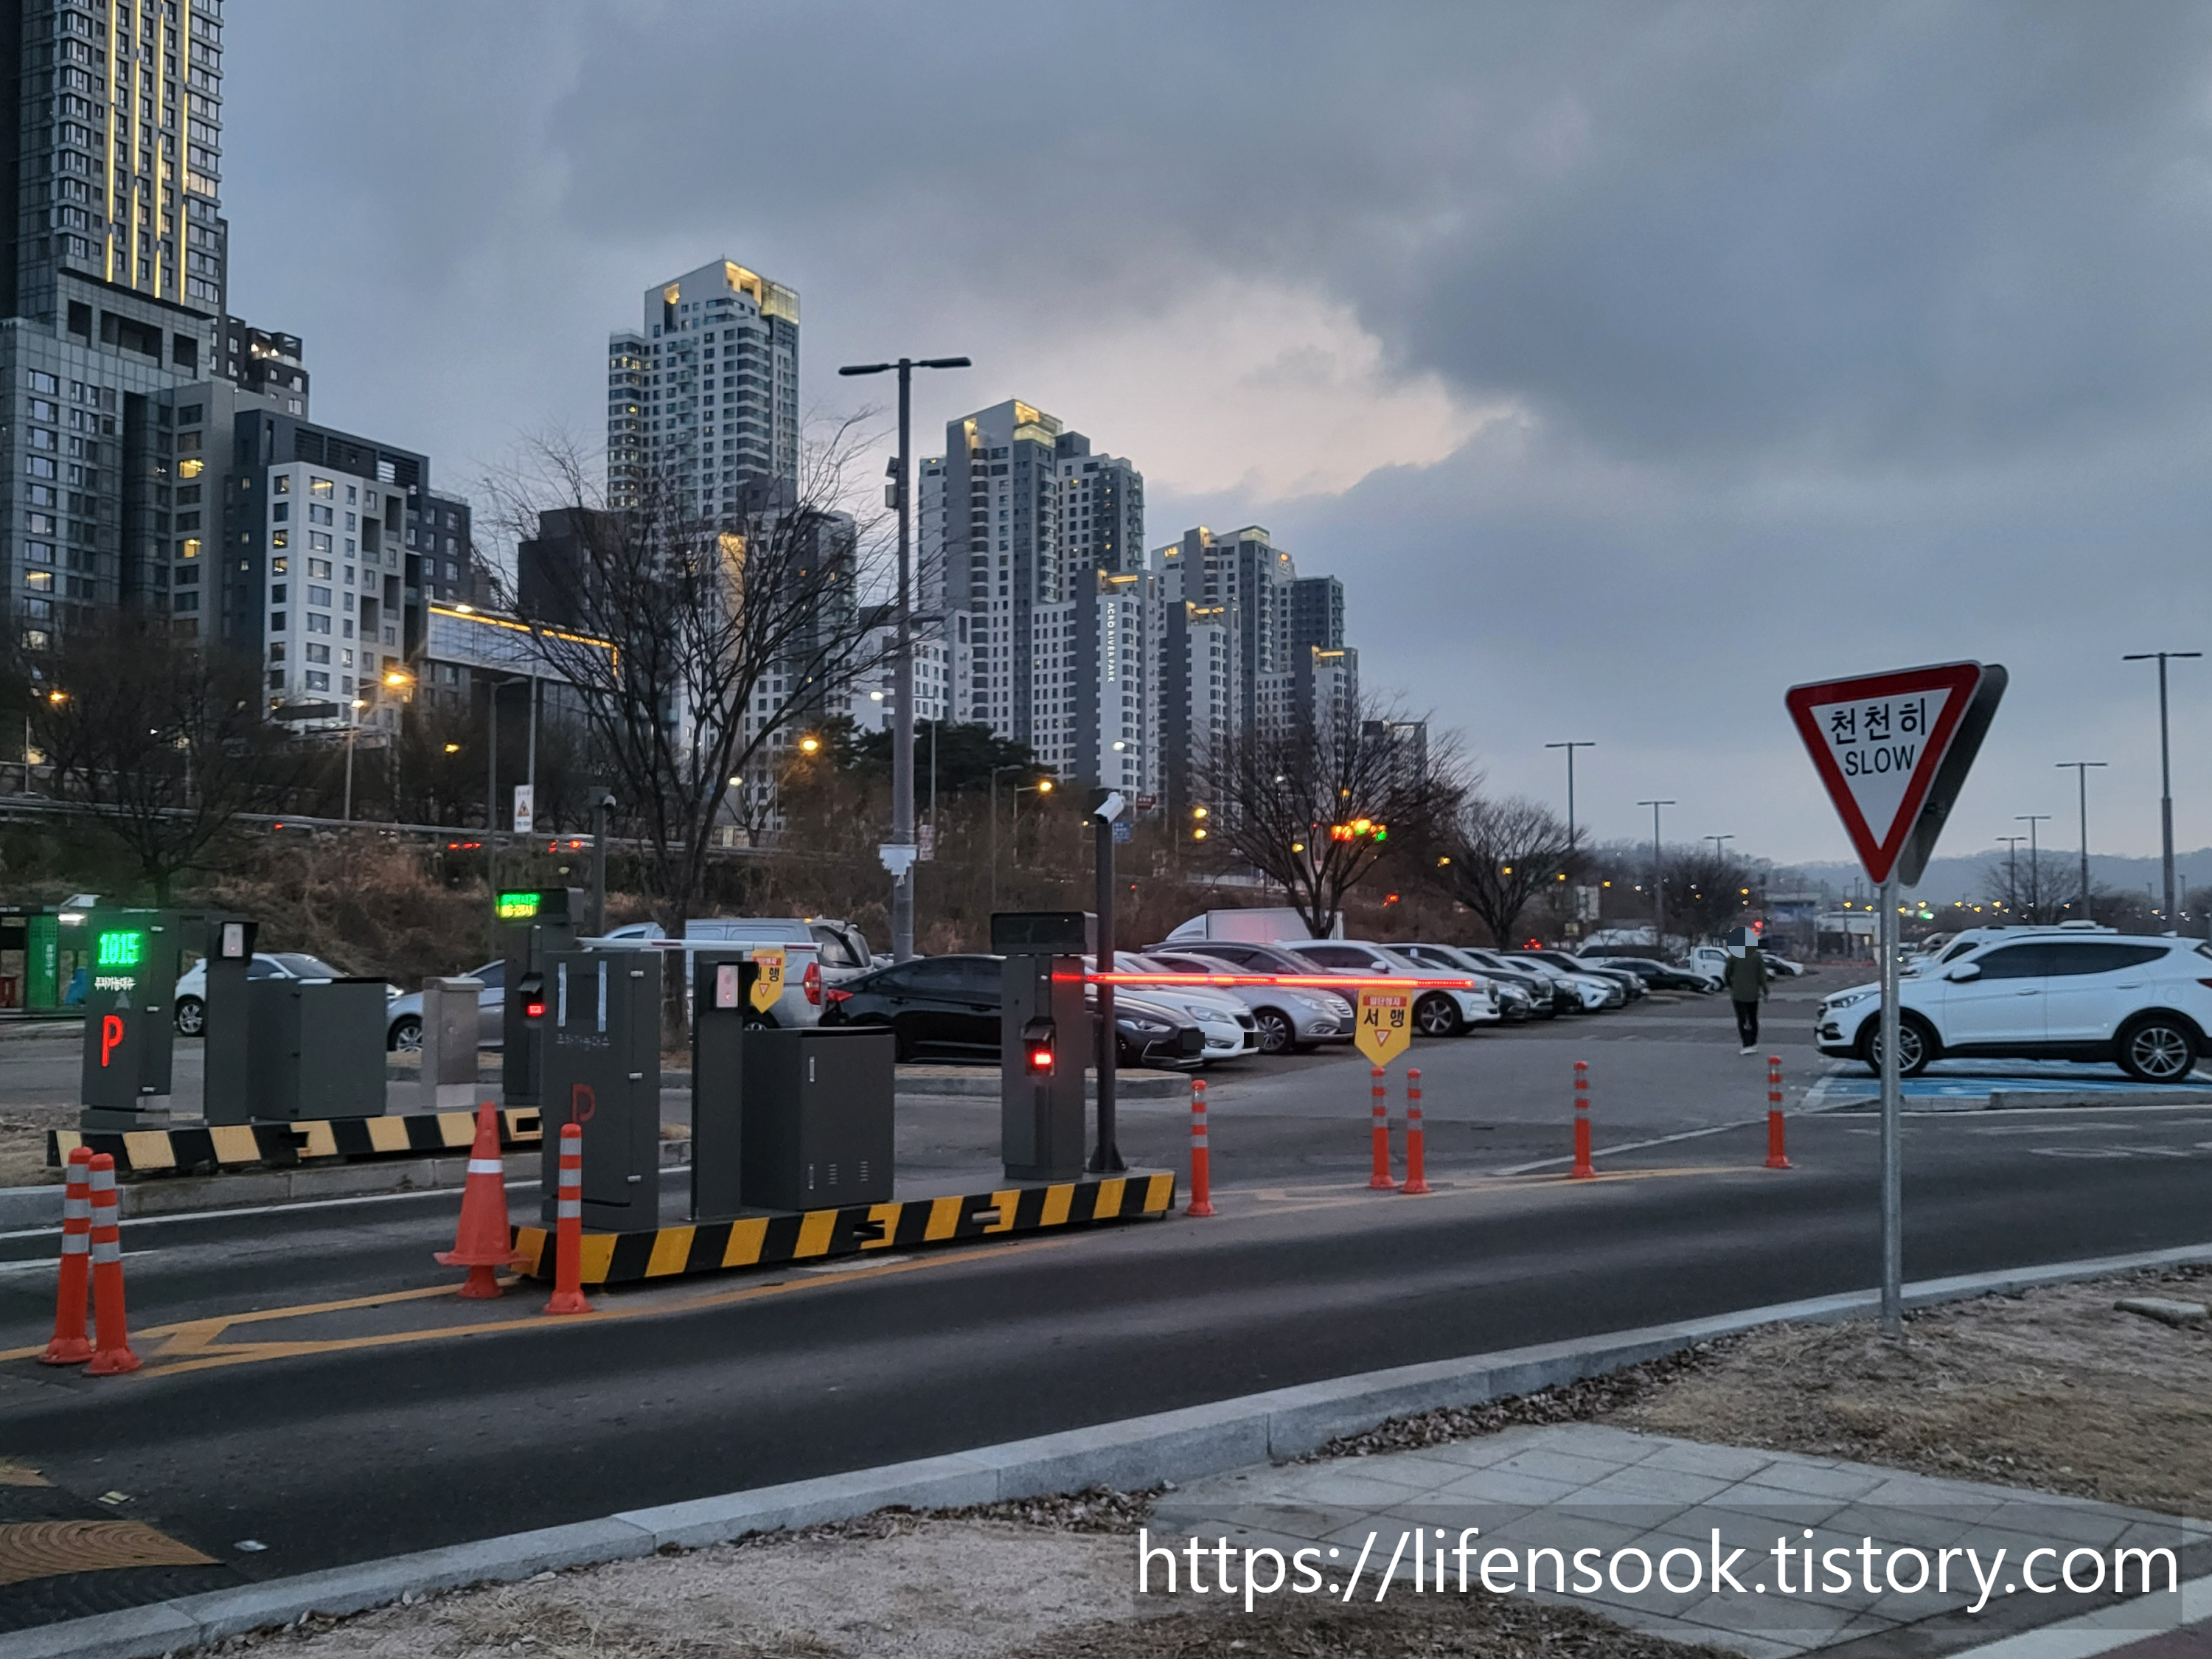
x=1746, y=979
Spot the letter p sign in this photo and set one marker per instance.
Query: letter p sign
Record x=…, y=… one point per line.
x=111, y=1037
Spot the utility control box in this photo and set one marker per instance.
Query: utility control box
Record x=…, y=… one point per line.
x=453, y=1015
x=817, y=1117
x=130, y=1017
x=1045, y=1042
x=602, y=1049
x=317, y=1049
x=226, y=1020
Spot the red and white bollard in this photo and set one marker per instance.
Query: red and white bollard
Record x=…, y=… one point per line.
x=569, y=1227
x=1416, y=1174
x=1777, y=1158
x=1379, y=1133
x=71, y=1345
x=1583, y=1169
x=1201, y=1167
x=112, y=1354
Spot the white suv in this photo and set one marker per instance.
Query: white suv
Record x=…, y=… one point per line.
x=2143, y=1000
x=1446, y=1012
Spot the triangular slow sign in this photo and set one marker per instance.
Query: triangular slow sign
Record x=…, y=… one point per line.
x=1894, y=750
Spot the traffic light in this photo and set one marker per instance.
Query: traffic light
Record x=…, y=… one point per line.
x=1360, y=829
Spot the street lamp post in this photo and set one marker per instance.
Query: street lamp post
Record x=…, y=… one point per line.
x=2165, y=768
x=1570, y=748
x=2034, y=868
x=2081, y=774
x=2012, y=869
x=903, y=649
x=1658, y=879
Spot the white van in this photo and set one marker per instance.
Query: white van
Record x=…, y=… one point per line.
x=1246, y=926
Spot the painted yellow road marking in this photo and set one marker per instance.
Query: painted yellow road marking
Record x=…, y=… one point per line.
x=46, y=1549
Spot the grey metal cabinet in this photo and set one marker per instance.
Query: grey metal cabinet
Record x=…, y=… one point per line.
x=817, y=1123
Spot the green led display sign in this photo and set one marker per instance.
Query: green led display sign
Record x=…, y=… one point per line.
x=122, y=948
x=518, y=907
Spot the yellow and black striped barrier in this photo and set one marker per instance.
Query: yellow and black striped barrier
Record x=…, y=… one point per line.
x=816, y=1235
x=231, y=1146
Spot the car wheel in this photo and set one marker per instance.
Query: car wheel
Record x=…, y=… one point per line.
x=191, y=1016
x=1437, y=1016
x=1916, y=1045
x=2157, y=1048
x=1278, y=1034
x=755, y=1022
x=405, y=1036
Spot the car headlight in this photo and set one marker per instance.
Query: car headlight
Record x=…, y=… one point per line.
x=1137, y=1023
x=1844, y=1000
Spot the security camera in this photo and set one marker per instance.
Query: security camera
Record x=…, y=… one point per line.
x=1110, y=808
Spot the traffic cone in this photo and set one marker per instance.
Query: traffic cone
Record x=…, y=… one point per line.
x=569, y=1227
x=1201, y=1156
x=484, y=1241
x=69, y=1346
x=1416, y=1139
x=112, y=1354
x=1778, y=1157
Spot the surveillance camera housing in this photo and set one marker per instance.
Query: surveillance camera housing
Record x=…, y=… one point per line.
x=1108, y=809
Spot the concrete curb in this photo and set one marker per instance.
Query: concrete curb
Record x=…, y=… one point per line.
x=984, y=1085
x=1134, y=1452
x=22, y=1208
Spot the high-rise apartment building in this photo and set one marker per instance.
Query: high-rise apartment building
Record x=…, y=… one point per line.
x=261, y=361
x=702, y=398
x=1032, y=574
x=1316, y=614
x=1248, y=577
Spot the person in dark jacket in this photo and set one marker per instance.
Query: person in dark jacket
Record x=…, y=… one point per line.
x=1745, y=977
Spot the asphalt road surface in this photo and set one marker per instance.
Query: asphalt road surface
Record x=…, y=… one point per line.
x=312, y=1386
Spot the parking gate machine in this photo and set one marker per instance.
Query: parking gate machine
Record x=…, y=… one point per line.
x=534, y=924
x=1044, y=1041
x=600, y=1023
x=129, y=1019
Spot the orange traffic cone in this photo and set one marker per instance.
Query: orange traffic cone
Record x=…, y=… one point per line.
x=569, y=1227
x=69, y=1346
x=483, y=1242
x=111, y=1356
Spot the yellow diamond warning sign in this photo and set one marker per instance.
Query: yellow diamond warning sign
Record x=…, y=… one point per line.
x=1386, y=1025
x=768, y=985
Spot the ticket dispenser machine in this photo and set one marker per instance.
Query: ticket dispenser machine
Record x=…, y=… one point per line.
x=129, y=1019
x=534, y=923
x=601, y=1032
x=1045, y=1042
x=227, y=1037
x=721, y=996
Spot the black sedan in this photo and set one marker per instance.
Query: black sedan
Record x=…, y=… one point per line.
x=1659, y=975
x=947, y=1008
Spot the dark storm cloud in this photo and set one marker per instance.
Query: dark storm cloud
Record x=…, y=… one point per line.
x=1834, y=336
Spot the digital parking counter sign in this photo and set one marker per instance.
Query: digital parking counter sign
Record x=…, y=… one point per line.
x=520, y=907
x=119, y=949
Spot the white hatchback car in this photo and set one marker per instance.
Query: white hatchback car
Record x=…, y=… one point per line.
x=2143, y=1000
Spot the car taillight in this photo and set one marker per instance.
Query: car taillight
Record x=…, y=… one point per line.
x=831, y=994
x=812, y=984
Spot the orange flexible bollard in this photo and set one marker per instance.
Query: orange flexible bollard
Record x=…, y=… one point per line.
x=1201, y=1160
x=569, y=1227
x=1583, y=1169
x=70, y=1344
x=111, y=1353
x=1777, y=1158
x=1380, y=1134
x=1416, y=1169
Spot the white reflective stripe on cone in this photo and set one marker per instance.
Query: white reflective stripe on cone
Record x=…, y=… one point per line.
x=76, y=1207
x=486, y=1166
x=106, y=1249
x=1198, y=1143
x=76, y=1243
x=570, y=1209
x=103, y=1181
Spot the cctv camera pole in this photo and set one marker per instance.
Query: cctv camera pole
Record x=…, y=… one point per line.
x=1106, y=1155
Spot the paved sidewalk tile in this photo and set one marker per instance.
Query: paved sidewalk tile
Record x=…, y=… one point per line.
x=1592, y=1492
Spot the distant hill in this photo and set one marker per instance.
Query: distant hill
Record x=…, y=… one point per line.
x=1948, y=879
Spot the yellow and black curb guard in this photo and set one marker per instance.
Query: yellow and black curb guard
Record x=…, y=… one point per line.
x=813, y=1235
x=230, y=1147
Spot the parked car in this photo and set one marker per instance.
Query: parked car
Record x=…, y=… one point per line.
x=1713, y=959
x=404, y=1025
x=801, y=1001
x=2141, y=1000
x=190, y=1007
x=1231, y=1029
x=1631, y=984
x=1290, y=1018
x=1522, y=993
x=1441, y=1013
x=948, y=1007
x=1665, y=976
x=1573, y=993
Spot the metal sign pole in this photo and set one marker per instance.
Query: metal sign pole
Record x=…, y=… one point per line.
x=1893, y=1104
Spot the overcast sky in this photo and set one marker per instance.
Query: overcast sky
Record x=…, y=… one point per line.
x=1628, y=362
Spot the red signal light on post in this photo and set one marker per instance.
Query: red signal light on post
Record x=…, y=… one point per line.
x=1037, y=1047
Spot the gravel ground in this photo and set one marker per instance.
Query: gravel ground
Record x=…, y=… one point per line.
x=2052, y=1389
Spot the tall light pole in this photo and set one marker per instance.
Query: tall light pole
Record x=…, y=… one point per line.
x=903, y=651
x=2034, y=869
x=2081, y=775
x=2012, y=869
x=1720, y=851
x=1570, y=748
x=1658, y=879
x=2165, y=768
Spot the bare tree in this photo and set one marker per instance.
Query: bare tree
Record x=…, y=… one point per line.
x=161, y=741
x=1503, y=853
x=697, y=636
x=1316, y=805
x=1708, y=893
